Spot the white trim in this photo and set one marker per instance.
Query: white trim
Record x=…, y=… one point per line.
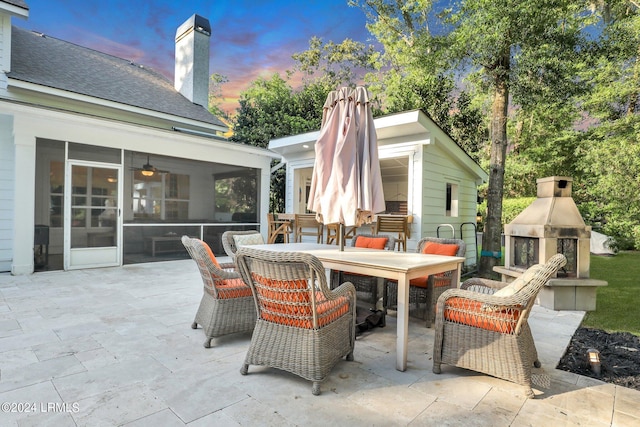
x=63, y=94
x=148, y=139
x=14, y=10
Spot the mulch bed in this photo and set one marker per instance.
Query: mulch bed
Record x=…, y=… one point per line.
x=619, y=356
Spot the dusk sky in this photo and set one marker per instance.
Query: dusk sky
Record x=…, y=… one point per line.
x=249, y=38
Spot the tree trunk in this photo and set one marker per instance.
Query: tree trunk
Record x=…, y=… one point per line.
x=633, y=97
x=492, y=236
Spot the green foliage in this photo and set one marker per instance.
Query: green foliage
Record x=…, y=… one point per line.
x=271, y=109
x=610, y=183
x=337, y=64
x=412, y=71
x=215, y=95
x=511, y=208
x=621, y=297
x=570, y=75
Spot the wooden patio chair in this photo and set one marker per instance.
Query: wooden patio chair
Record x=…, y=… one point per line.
x=483, y=326
x=307, y=225
x=303, y=327
x=366, y=286
x=278, y=227
x=229, y=240
x=333, y=233
x=227, y=304
x=424, y=291
x=395, y=224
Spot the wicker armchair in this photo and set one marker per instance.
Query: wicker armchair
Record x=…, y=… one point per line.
x=227, y=303
x=366, y=286
x=483, y=326
x=229, y=243
x=302, y=327
x=424, y=291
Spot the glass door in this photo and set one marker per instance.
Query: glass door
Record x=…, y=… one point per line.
x=92, y=215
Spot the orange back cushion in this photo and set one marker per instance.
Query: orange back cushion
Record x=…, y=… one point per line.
x=210, y=253
x=440, y=249
x=288, y=302
x=371, y=242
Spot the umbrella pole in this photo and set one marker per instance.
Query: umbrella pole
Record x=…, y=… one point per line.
x=341, y=236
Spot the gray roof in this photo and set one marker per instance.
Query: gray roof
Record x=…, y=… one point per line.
x=47, y=61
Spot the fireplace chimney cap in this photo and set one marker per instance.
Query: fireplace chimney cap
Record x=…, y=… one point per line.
x=554, y=186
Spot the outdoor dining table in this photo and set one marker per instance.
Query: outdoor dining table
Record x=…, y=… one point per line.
x=400, y=266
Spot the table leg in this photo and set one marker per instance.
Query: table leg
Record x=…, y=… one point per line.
x=455, y=280
x=403, y=324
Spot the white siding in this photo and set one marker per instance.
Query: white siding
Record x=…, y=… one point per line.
x=439, y=169
x=6, y=192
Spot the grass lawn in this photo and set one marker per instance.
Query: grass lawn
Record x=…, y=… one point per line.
x=618, y=303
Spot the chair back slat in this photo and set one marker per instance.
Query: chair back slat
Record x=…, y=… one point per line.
x=307, y=225
x=394, y=224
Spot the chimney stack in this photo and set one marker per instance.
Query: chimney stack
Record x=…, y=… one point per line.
x=192, y=60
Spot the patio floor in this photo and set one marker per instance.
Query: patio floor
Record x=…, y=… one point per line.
x=114, y=347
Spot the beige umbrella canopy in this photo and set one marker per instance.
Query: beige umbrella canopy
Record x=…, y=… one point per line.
x=346, y=185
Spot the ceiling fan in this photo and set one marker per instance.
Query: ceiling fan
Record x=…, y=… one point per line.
x=148, y=169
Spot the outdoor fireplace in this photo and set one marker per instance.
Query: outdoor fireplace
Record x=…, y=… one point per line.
x=552, y=224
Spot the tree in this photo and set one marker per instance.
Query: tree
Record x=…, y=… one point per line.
x=406, y=78
x=334, y=64
x=506, y=48
x=215, y=94
x=269, y=109
x=609, y=149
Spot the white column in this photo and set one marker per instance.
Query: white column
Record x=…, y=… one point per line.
x=24, y=197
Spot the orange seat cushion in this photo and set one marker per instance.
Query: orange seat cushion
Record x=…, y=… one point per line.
x=433, y=248
x=233, y=288
x=288, y=302
x=371, y=242
x=469, y=312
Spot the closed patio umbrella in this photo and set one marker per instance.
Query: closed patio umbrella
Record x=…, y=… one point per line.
x=346, y=185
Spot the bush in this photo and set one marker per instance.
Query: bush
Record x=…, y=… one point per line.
x=511, y=208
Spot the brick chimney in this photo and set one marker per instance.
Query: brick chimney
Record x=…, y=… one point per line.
x=192, y=60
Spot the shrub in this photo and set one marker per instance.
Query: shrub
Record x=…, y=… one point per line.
x=511, y=208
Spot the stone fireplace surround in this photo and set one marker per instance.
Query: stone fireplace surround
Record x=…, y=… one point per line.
x=552, y=224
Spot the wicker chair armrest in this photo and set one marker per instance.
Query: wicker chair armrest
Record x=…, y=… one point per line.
x=515, y=300
x=346, y=289
x=229, y=267
x=480, y=285
x=225, y=272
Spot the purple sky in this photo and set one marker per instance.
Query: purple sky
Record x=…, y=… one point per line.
x=249, y=38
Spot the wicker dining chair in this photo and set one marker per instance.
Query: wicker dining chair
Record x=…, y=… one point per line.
x=424, y=291
x=483, y=326
x=229, y=241
x=227, y=304
x=366, y=286
x=303, y=327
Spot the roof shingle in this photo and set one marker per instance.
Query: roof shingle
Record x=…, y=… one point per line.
x=51, y=62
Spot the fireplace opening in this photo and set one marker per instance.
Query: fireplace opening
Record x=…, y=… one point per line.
x=569, y=248
x=525, y=252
